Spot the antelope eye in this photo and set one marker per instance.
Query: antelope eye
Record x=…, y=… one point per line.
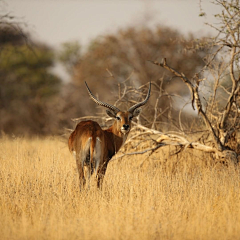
x=131, y=117
x=118, y=118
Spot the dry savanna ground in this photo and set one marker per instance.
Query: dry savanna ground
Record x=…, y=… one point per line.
x=184, y=196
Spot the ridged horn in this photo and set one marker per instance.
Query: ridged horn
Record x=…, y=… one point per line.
x=138, y=105
x=109, y=106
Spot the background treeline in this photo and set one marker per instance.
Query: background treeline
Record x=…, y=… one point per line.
x=34, y=100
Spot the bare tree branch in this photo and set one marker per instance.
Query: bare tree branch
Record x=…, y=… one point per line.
x=195, y=99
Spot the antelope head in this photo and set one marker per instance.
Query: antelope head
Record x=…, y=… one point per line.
x=122, y=123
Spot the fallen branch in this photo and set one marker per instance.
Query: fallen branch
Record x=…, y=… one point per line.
x=140, y=152
x=176, y=140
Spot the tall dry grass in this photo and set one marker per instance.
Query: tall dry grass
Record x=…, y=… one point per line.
x=185, y=197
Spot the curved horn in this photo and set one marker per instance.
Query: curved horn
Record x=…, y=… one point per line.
x=134, y=107
x=111, y=107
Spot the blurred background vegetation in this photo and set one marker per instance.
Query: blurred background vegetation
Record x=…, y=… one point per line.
x=36, y=101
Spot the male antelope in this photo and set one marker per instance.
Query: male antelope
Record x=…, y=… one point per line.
x=93, y=147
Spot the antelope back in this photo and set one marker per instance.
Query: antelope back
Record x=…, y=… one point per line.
x=84, y=131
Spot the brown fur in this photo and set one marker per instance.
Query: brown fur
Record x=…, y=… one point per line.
x=111, y=141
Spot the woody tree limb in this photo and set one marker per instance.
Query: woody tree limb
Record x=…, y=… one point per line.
x=195, y=99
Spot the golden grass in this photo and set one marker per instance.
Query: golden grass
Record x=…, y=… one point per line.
x=182, y=198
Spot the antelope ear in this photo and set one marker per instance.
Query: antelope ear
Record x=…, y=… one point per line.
x=137, y=112
x=110, y=113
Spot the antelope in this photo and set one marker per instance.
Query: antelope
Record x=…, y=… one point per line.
x=93, y=147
